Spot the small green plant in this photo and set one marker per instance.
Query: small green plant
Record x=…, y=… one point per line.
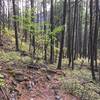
x=24, y=46
x=2, y=82
x=74, y=87
x=9, y=56
x=7, y=32
x=80, y=83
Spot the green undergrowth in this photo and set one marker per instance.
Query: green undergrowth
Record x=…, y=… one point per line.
x=8, y=33
x=24, y=46
x=13, y=56
x=9, y=56
x=80, y=83
x=2, y=82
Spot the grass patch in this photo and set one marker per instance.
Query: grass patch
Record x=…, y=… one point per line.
x=14, y=56
x=2, y=82
x=80, y=83
x=24, y=46
x=9, y=56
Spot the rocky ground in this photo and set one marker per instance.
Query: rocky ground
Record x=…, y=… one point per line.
x=32, y=84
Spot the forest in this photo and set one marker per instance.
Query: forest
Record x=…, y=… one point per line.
x=49, y=49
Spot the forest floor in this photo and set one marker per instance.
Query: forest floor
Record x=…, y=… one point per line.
x=22, y=80
x=28, y=84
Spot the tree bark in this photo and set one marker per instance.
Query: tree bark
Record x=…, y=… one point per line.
x=69, y=33
x=91, y=39
x=0, y=24
x=62, y=36
x=15, y=26
x=73, y=34
x=85, y=33
x=32, y=19
x=45, y=43
x=96, y=30
x=52, y=40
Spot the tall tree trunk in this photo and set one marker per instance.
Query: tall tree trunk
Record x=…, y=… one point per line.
x=32, y=19
x=77, y=35
x=45, y=44
x=73, y=34
x=62, y=36
x=0, y=23
x=3, y=16
x=96, y=32
x=91, y=39
x=25, y=31
x=80, y=29
x=52, y=40
x=15, y=26
x=9, y=14
x=85, y=33
x=69, y=33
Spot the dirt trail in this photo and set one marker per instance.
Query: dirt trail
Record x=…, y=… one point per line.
x=37, y=85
